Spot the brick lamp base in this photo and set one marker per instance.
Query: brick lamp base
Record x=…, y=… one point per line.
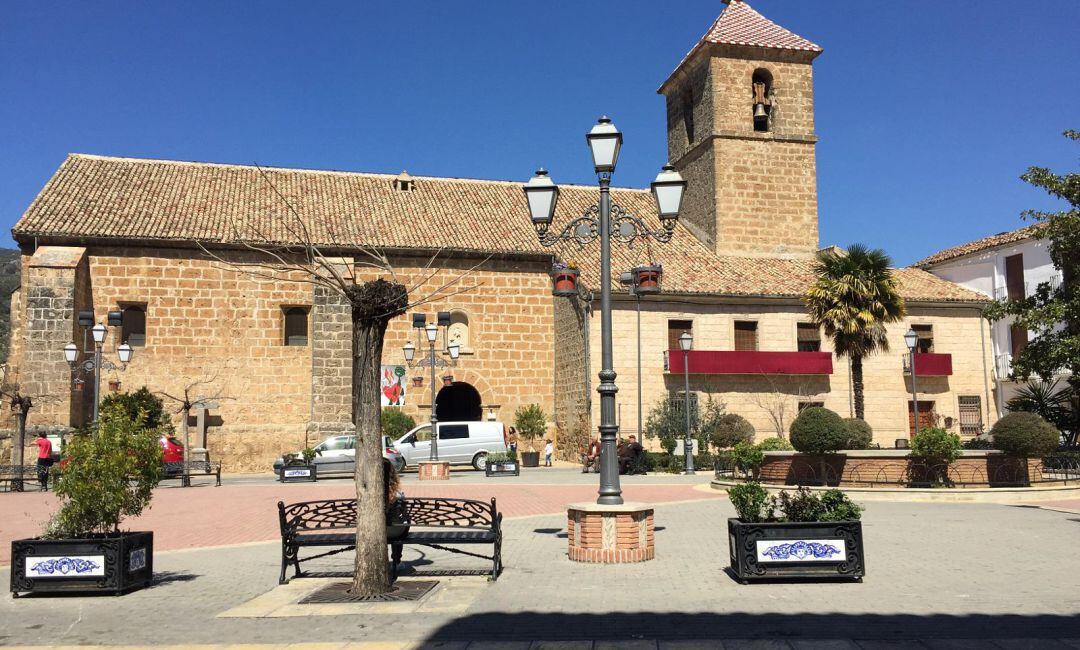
x=610, y=534
x=434, y=470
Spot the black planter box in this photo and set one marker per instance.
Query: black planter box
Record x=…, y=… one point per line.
x=108, y=564
x=298, y=473
x=530, y=459
x=796, y=550
x=508, y=468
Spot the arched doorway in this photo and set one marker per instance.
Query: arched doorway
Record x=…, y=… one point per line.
x=458, y=402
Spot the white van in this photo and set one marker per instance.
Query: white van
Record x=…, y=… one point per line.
x=460, y=443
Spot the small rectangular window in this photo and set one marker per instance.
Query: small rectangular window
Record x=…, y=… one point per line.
x=675, y=329
x=1014, y=276
x=926, y=338
x=296, y=325
x=807, y=405
x=1018, y=339
x=970, y=415
x=745, y=335
x=677, y=399
x=809, y=337
x=133, y=325
x=453, y=431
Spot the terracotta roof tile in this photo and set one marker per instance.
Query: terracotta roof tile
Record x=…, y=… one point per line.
x=993, y=241
x=94, y=197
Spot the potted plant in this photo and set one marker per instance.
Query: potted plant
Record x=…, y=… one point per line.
x=448, y=380
x=531, y=422
x=800, y=535
x=502, y=464
x=647, y=278
x=933, y=450
x=564, y=279
x=299, y=468
x=417, y=382
x=109, y=473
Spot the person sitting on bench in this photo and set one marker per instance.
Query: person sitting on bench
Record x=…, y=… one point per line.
x=591, y=457
x=628, y=454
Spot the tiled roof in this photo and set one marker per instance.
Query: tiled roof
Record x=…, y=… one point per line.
x=740, y=24
x=94, y=197
x=993, y=241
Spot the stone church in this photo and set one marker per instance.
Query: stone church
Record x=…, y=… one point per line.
x=165, y=243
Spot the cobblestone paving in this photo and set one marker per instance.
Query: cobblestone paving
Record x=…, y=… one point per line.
x=939, y=576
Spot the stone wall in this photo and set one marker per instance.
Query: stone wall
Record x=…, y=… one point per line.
x=887, y=388
x=571, y=383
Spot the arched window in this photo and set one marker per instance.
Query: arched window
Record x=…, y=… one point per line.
x=458, y=330
x=133, y=325
x=296, y=326
x=762, y=104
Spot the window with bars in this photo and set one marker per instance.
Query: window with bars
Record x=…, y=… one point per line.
x=807, y=405
x=926, y=338
x=971, y=423
x=677, y=399
x=808, y=337
x=746, y=335
x=675, y=329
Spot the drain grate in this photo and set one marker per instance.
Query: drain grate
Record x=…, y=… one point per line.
x=338, y=592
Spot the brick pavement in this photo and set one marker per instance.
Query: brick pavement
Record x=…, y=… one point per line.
x=234, y=514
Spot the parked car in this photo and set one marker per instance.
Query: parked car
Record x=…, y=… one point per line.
x=337, y=455
x=460, y=443
x=172, y=450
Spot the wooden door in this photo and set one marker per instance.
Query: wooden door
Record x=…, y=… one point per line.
x=926, y=416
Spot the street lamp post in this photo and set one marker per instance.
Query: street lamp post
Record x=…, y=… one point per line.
x=912, y=341
x=605, y=221
x=686, y=341
x=431, y=335
x=97, y=363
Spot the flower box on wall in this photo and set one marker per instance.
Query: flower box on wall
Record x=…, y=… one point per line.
x=113, y=564
x=564, y=282
x=298, y=473
x=503, y=468
x=647, y=279
x=796, y=550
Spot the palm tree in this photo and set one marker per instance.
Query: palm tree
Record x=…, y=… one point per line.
x=853, y=296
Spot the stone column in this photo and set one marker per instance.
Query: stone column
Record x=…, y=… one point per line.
x=331, y=365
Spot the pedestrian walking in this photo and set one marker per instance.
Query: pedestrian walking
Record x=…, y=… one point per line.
x=512, y=441
x=549, y=449
x=44, y=459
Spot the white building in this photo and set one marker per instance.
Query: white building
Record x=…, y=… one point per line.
x=1006, y=265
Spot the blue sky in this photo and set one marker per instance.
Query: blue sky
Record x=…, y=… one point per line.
x=927, y=111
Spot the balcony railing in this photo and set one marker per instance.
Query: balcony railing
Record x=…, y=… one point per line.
x=742, y=362
x=929, y=364
x=1029, y=288
x=1003, y=366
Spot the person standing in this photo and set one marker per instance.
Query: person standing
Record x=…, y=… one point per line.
x=549, y=449
x=44, y=459
x=512, y=441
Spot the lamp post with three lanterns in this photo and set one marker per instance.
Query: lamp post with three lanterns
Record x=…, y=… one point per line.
x=431, y=335
x=95, y=364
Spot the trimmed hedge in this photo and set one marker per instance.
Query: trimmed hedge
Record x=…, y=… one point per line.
x=775, y=444
x=818, y=430
x=1025, y=435
x=731, y=429
x=860, y=434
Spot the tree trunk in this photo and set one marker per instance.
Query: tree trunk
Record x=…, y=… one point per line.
x=857, y=386
x=19, y=452
x=373, y=304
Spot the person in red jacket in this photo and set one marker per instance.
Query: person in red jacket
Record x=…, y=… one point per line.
x=44, y=459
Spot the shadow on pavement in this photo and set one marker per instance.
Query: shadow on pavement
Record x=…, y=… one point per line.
x=649, y=625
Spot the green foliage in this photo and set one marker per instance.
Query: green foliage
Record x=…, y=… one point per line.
x=977, y=443
x=753, y=504
x=1025, y=434
x=937, y=445
x=775, y=444
x=860, y=434
x=666, y=420
x=669, y=444
x=853, y=297
x=530, y=421
x=818, y=430
x=1052, y=311
x=1056, y=404
x=144, y=408
x=746, y=456
x=109, y=475
x=395, y=422
x=502, y=457
x=731, y=429
x=309, y=455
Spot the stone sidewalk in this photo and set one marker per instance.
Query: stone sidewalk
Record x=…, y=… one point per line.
x=938, y=576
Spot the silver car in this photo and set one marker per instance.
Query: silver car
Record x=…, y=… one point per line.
x=337, y=455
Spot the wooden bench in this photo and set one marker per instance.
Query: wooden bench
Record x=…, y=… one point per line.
x=197, y=468
x=17, y=478
x=331, y=523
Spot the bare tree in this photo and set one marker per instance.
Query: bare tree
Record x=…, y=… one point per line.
x=184, y=403
x=778, y=404
x=312, y=254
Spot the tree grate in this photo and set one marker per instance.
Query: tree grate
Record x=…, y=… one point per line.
x=338, y=592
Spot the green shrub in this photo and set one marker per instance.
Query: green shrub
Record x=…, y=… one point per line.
x=1025, y=435
x=838, y=507
x=109, y=475
x=936, y=444
x=530, y=421
x=818, y=430
x=144, y=408
x=751, y=502
x=395, y=422
x=747, y=457
x=775, y=444
x=860, y=434
x=502, y=457
x=668, y=444
x=730, y=430
x=977, y=443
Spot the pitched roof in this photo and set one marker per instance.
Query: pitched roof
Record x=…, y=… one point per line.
x=102, y=198
x=986, y=243
x=741, y=24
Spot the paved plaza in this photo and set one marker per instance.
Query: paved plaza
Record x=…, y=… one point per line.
x=938, y=575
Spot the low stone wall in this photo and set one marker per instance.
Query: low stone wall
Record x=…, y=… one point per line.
x=870, y=468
